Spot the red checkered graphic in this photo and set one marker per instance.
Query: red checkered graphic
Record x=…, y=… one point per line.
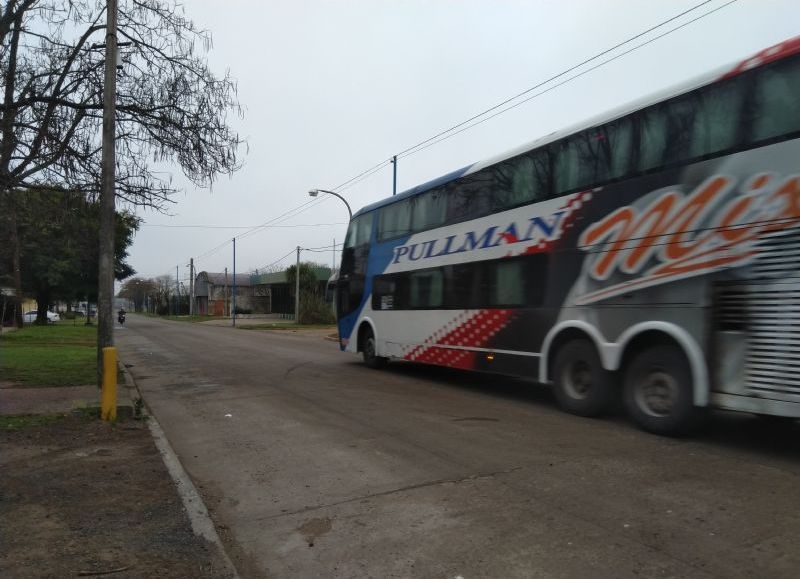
x=572, y=208
x=467, y=331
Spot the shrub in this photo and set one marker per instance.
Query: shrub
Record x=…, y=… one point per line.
x=314, y=309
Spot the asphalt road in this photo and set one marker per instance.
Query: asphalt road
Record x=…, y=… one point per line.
x=312, y=465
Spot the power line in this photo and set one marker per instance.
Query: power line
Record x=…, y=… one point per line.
x=548, y=89
x=468, y=123
x=552, y=78
x=277, y=261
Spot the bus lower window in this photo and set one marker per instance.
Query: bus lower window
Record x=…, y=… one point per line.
x=425, y=289
x=508, y=284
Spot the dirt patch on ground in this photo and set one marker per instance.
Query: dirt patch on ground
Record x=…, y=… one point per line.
x=81, y=497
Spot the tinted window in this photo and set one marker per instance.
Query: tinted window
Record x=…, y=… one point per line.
x=395, y=220
x=717, y=126
x=425, y=289
x=523, y=179
x=507, y=282
x=470, y=197
x=777, y=104
x=359, y=231
x=428, y=210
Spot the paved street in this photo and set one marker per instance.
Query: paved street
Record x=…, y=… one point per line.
x=313, y=465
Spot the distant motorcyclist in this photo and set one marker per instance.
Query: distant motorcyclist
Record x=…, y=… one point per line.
x=121, y=316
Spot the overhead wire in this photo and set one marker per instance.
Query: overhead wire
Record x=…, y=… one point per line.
x=570, y=79
x=468, y=123
x=554, y=77
x=478, y=119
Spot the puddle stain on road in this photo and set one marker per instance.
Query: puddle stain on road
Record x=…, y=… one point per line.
x=314, y=528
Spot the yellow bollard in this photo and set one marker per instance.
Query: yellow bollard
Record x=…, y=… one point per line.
x=108, y=396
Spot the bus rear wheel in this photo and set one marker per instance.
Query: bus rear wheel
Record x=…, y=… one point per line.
x=659, y=392
x=369, y=350
x=582, y=385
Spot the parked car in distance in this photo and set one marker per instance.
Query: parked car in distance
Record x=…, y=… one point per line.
x=30, y=317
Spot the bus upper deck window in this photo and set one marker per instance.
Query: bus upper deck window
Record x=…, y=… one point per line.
x=777, y=102
x=359, y=231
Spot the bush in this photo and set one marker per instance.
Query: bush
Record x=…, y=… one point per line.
x=315, y=310
x=243, y=310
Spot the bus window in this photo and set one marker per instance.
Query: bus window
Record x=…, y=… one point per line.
x=508, y=284
x=425, y=289
x=359, y=231
x=777, y=109
x=523, y=179
x=428, y=210
x=470, y=197
x=619, y=139
x=395, y=220
x=582, y=161
x=652, y=137
x=716, y=124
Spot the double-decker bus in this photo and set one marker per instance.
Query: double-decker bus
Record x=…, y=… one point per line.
x=652, y=256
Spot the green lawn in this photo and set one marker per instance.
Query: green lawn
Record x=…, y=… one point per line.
x=189, y=318
x=55, y=355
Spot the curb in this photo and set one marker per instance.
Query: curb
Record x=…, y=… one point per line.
x=202, y=524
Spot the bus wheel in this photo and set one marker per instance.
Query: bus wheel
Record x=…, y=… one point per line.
x=369, y=349
x=582, y=385
x=659, y=393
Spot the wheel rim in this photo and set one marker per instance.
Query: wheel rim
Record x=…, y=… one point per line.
x=577, y=379
x=369, y=348
x=657, y=393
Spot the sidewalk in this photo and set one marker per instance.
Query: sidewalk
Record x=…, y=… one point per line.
x=83, y=497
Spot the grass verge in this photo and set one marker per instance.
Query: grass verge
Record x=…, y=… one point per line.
x=279, y=326
x=191, y=319
x=53, y=355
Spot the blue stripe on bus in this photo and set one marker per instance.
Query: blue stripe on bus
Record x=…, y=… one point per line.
x=380, y=256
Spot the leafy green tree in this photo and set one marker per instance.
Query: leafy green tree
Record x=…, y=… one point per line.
x=58, y=245
x=313, y=307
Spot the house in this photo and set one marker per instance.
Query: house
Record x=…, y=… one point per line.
x=213, y=294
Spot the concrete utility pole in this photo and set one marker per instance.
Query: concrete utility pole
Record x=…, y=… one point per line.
x=191, y=286
x=226, y=310
x=105, y=281
x=234, y=281
x=297, y=289
x=177, y=291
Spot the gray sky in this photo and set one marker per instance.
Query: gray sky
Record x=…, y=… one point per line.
x=330, y=89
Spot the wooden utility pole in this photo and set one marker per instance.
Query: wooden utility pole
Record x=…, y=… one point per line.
x=105, y=282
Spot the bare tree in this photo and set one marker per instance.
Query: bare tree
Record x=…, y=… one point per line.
x=171, y=109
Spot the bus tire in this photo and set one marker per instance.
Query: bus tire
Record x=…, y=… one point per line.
x=659, y=392
x=369, y=349
x=582, y=385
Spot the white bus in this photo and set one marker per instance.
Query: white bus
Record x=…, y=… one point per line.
x=652, y=255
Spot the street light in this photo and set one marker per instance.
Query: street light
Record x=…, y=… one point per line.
x=315, y=192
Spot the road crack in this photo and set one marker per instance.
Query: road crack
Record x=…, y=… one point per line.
x=433, y=483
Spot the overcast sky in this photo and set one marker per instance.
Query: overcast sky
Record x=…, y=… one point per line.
x=330, y=89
